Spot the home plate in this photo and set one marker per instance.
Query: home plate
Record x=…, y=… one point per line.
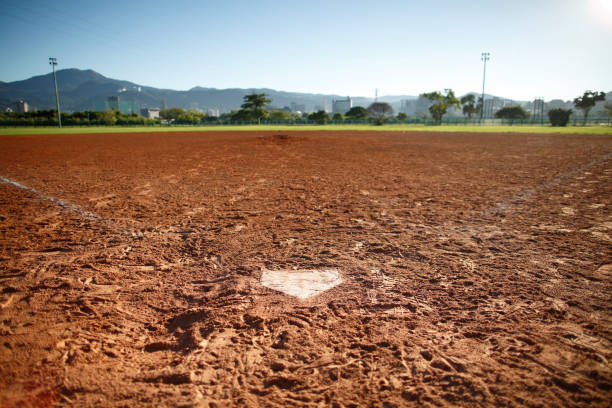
x=301, y=283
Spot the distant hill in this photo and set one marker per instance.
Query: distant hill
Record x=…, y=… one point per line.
x=78, y=89
x=88, y=90
x=85, y=89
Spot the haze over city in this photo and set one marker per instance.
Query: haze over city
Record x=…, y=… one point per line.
x=550, y=48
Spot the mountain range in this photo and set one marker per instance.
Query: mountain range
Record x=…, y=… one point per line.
x=81, y=90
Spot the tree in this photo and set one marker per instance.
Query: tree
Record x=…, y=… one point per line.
x=586, y=102
x=321, y=117
x=512, y=113
x=245, y=115
x=108, y=118
x=380, y=111
x=357, y=112
x=338, y=117
x=191, y=117
x=171, y=114
x=469, y=105
x=402, y=116
x=256, y=103
x=279, y=115
x=559, y=117
x=443, y=102
x=479, y=107
x=608, y=109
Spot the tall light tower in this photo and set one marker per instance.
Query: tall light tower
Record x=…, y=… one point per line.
x=53, y=63
x=483, y=57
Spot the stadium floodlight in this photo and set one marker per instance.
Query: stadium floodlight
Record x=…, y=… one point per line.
x=483, y=57
x=53, y=63
x=541, y=113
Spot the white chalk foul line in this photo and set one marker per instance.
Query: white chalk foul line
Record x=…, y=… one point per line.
x=61, y=203
x=528, y=194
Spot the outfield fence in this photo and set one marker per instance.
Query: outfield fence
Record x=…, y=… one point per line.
x=454, y=121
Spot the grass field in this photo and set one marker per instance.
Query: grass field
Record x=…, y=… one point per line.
x=591, y=130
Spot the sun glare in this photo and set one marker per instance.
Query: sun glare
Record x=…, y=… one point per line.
x=602, y=9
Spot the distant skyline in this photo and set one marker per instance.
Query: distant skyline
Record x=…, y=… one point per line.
x=551, y=48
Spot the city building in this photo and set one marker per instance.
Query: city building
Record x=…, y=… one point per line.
x=407, y=106
x=342, y=105
x=295, y=107
x=115, y=103
x=213, y=112
x=134, y=88
x=112, y=103
x=21, y=106
x=150, y=113
x=321, y=108
x=421, y=106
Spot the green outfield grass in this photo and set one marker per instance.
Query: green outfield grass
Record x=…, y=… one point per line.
x=596, y=130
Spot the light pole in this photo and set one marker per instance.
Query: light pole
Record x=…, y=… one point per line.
x=53, y=63
x=483, y=57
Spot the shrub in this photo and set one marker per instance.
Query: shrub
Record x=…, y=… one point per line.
x=512, y=113
x=321, y=117
x=380, y=111
x=279, y=115
x=357, y=113
x=559, y=117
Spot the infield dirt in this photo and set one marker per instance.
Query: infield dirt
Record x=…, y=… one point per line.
x=476, y=269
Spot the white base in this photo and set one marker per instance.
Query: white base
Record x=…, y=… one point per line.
x=301, y=283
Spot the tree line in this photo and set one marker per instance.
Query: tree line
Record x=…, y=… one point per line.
x=254, y=110
x=84, y=118
x=557, y=117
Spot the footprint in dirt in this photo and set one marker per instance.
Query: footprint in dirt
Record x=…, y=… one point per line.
x=144, y=190
x=103, y=201
x=170, y=179
x=604, y=272
x=568, y=211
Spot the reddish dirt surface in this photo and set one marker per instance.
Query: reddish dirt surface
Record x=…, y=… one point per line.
x=477, y=270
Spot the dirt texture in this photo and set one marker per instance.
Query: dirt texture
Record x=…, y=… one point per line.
x=476, y=269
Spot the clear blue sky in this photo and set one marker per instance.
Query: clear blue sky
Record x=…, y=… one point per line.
x=550, y=48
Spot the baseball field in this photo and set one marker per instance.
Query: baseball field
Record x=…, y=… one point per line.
x=473, y=268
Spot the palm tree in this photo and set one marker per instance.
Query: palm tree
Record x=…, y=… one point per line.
x=587, y=101
x=469, y=105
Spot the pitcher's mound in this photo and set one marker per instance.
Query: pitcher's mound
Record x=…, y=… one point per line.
x=301, y=283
